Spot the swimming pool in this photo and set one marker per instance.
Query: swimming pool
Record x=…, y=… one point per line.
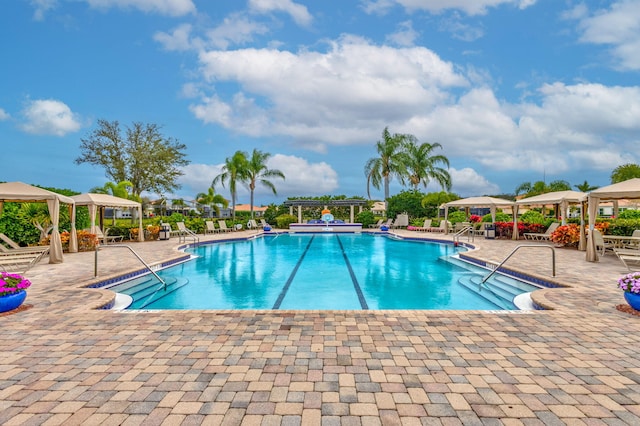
x=322, y=271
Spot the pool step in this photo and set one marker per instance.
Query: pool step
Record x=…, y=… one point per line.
x=147, y=289
x=495, y=291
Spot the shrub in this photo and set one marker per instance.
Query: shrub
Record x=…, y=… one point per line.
x=531, y=216
x=366, y=218
x=566, y=234
x=500, y=217
x=284, y=220
x=629, y=214
x=457, y=216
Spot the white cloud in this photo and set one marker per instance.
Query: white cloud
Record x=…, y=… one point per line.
x=198, y=177
x=179, y=39
x=470, y=7
x=298, y=12
x=302, y=177
x=41, y=7
x=4, y=115
x=405, y=36
x=162, y=7
x=467, y=182
x=236, y=29
x=50, y=117
x=330, y=97
x=618, y=27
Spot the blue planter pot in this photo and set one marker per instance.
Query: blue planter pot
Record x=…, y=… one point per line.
x=12, y=301
x=633, y=300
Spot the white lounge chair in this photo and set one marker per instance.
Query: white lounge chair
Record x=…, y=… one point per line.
x=210, y=228
x=223, y=226
x=542, y=236
x=253, y=224
x=376, y=225
x=601, y=245
x=264, y=223
x=21, y=259
x=104, y=238
x=444, y=225
x=425, y=226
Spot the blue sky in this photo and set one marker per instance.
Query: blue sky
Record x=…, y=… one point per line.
x=514, y=90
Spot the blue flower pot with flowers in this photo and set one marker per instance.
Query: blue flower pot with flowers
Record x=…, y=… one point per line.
x=12, y=291
x=630, y=283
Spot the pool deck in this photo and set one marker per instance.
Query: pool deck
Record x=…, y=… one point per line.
x=62, y=362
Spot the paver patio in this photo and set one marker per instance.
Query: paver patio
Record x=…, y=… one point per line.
x=62, y=362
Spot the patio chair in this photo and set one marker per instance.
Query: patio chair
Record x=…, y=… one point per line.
x=601, y=245
x=263, y=223
x=376, y=225
x=444, y=225
x=253, y=224
x=8, y=241
x=105, y=238
x=478, y=229
x=426, y=225
x=184, y=232
x=223, y=226
x=542, y=236
x=21, y=259
x=210, y=227
x=388, y=223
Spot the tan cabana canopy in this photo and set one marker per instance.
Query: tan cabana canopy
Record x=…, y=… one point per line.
x=562, y=199
x=18, y=192
x=93, y=201
x=627, y=190
x=491, y=202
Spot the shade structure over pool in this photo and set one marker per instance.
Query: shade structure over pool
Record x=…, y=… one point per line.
x=626, y=190
x=95, y=201
x=18, y=192
x=491, y=202
x=563, y=199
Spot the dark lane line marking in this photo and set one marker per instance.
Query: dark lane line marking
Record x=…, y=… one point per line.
x=285, y=289
x=356, y=285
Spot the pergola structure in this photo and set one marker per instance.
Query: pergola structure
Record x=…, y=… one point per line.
x=300, y=204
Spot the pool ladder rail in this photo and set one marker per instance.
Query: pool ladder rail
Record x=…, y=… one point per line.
x=95, y=267
x=553, y=261
x=468, y=230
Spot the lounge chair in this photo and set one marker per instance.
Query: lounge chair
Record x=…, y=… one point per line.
x=184, y=232
x=444, y=224
x=104, y=238
x=376, y=225
x=629, y=257
x=426, y=225
x=388, y=224
x=264, y=223
x=223, y=226
x=542, y=236
x=253, y=224
x=478, y=229
x=9, y=241
x=210, y=228
x=21, y=259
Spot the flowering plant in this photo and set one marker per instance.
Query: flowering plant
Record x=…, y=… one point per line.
x=475, y=218
x=630, y=283
x=12, y=283
x=566, y=234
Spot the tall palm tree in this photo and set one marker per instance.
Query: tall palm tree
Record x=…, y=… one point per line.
x=423, y=166
x=258, y=172
x=213, y=200
x=391, y=161
x=233, y=172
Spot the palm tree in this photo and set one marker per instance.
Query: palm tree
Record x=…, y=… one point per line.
x=625, y=172
x=213, y=200
x=121, y=190
x=540, y=187
x=422, y=166
x=179, y=203
x=585, y=187
x=233, y=171
x=391, y=161
x=258, y=172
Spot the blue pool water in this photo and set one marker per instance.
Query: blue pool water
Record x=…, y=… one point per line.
x=321, y=271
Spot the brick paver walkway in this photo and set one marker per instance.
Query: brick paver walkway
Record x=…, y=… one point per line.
x=62, y=362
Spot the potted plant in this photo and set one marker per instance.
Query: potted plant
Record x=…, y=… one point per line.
x=12, y=291
x=630, y=283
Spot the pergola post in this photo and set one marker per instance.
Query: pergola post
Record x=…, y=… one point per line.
x=299, y=214
x=351, y=213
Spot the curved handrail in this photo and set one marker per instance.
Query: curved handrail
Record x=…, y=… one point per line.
x=465, y=230
x=553, y=261
x=95, y=269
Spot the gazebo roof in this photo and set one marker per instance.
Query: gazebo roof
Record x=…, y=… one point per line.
x=322, y=203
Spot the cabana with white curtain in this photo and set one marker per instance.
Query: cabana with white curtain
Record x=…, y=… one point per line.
x=491, y=202
x=562, y=199
x=626, y=190
x=95, y=201
x=18, y=192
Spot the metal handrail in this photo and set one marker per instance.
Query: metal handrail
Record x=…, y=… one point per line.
x=182, y=236
x=95, y=268
x=553, y=261
x=468, y=230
